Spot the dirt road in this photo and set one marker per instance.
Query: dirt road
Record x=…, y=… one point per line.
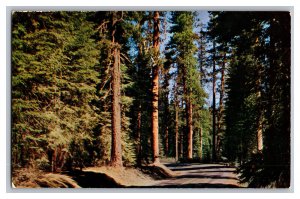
x=187, y=175
x=200, y=176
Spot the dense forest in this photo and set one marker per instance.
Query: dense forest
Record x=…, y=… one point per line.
x=128, y=89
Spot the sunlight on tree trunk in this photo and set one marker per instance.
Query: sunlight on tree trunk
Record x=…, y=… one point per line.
x=190, y=130
x=155, y=85
x=259, y=125
x=116, y=154
x=116, y=149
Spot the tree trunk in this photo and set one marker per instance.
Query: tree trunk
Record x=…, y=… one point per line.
x=116, y=150
x=259, y=134
x=139, y=138
x=53, y=169
x=189, y=117
x=181, y=144
x=167, y=140
x=214, y=105
x=181, y=134
x=190, y=129
x=176, y=129
x=155, y=84
x=166, y=113
x=260, y=113
x=200, y=144
x=221, y=107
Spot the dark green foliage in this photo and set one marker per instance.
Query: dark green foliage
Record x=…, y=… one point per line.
x=258, y=88
x=55, y=66
x=241, y=97
x=202, y=119
x=181, y=52
x=102, y=133
x=141, y=52
x=53, y=84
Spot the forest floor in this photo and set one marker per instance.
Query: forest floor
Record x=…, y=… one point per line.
x=167, y=175
x=92, y=177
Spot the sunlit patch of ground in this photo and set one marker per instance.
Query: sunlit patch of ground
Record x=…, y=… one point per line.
x=30, y=178
x=123, y=176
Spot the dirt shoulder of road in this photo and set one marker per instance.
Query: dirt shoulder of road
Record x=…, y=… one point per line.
x=92, y=177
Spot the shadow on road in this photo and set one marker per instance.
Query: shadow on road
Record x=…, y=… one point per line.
x=89, y=179
x=200, y=167
x=192, y=185
x=177, y=164
x=206, y=176
x=214, y=171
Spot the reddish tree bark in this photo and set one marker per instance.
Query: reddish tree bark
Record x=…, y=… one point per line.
x=139, y=126
x=214, y=104
x=176, y=134
x=190, y=129
x=176, y=127
x=155, y=85
x=116, y=150
x=260, y=113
